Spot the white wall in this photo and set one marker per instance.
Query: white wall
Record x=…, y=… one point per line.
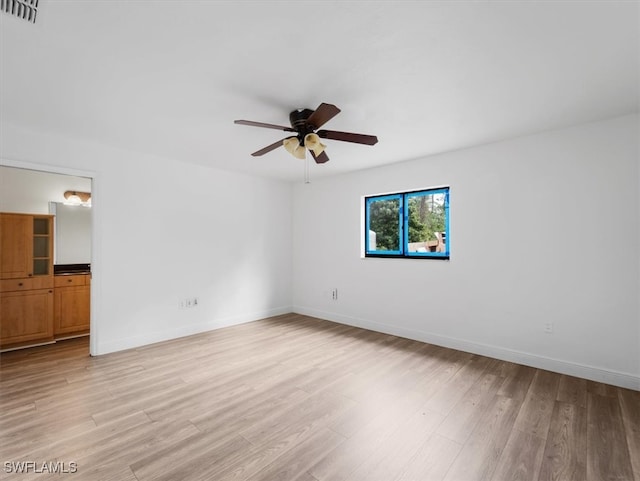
x=29, y=191
x=166, y=230
x=544, y=228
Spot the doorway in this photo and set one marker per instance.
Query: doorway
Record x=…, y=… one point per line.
x=37, y=189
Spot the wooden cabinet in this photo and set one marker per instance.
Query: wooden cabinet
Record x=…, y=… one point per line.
x=26, y=279
x=26, y=245
x=72, y=295
x=27, y=316
x=36, y=306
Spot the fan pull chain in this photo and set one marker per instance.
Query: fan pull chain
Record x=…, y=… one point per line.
x=306, y=168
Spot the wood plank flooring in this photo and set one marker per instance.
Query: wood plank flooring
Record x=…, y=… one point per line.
x=297, y=398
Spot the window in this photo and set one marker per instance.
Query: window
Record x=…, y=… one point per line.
x=408, y=224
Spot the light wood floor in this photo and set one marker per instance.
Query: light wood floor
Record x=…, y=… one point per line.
x=296, y=398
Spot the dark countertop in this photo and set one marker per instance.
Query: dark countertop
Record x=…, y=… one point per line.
x=71, y=269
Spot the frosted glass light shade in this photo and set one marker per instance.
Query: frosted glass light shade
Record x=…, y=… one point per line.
x=292, y=145
x=312, y=142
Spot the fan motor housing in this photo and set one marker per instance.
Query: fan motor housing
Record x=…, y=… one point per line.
x=298, y=119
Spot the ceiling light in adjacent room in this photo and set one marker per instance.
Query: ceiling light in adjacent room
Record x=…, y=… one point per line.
x=73, y=197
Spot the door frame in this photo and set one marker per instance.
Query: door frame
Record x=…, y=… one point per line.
x=96, y=257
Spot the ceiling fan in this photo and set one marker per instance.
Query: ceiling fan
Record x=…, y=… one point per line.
x=304, y=124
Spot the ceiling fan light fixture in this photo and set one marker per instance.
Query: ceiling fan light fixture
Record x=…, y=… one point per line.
x=292, y=145
x=312, y=142
x=304, y=123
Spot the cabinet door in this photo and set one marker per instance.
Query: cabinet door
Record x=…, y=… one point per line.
x=72, y=309
x=16, y=234
x=26, y=316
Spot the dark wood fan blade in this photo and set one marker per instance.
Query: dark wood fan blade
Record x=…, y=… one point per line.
x=262, y=124
x=348, y=137
x=269, y=148
x=320, y=159
x=322, y=115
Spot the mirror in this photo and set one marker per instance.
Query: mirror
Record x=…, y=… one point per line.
x=72, y=230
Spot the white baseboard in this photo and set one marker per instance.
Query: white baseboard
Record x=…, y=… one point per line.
x=592, y=373
x=160, y=336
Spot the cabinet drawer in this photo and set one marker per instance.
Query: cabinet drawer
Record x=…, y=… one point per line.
x=26, y=284
x=71, y=280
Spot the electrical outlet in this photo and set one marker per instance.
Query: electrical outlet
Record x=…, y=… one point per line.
x=548, y=327
x=188, y=302
x=334, y=294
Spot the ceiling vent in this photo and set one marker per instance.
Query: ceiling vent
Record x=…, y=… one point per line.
x=24, y=9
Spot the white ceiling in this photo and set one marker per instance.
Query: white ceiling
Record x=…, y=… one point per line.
x=169, y=77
